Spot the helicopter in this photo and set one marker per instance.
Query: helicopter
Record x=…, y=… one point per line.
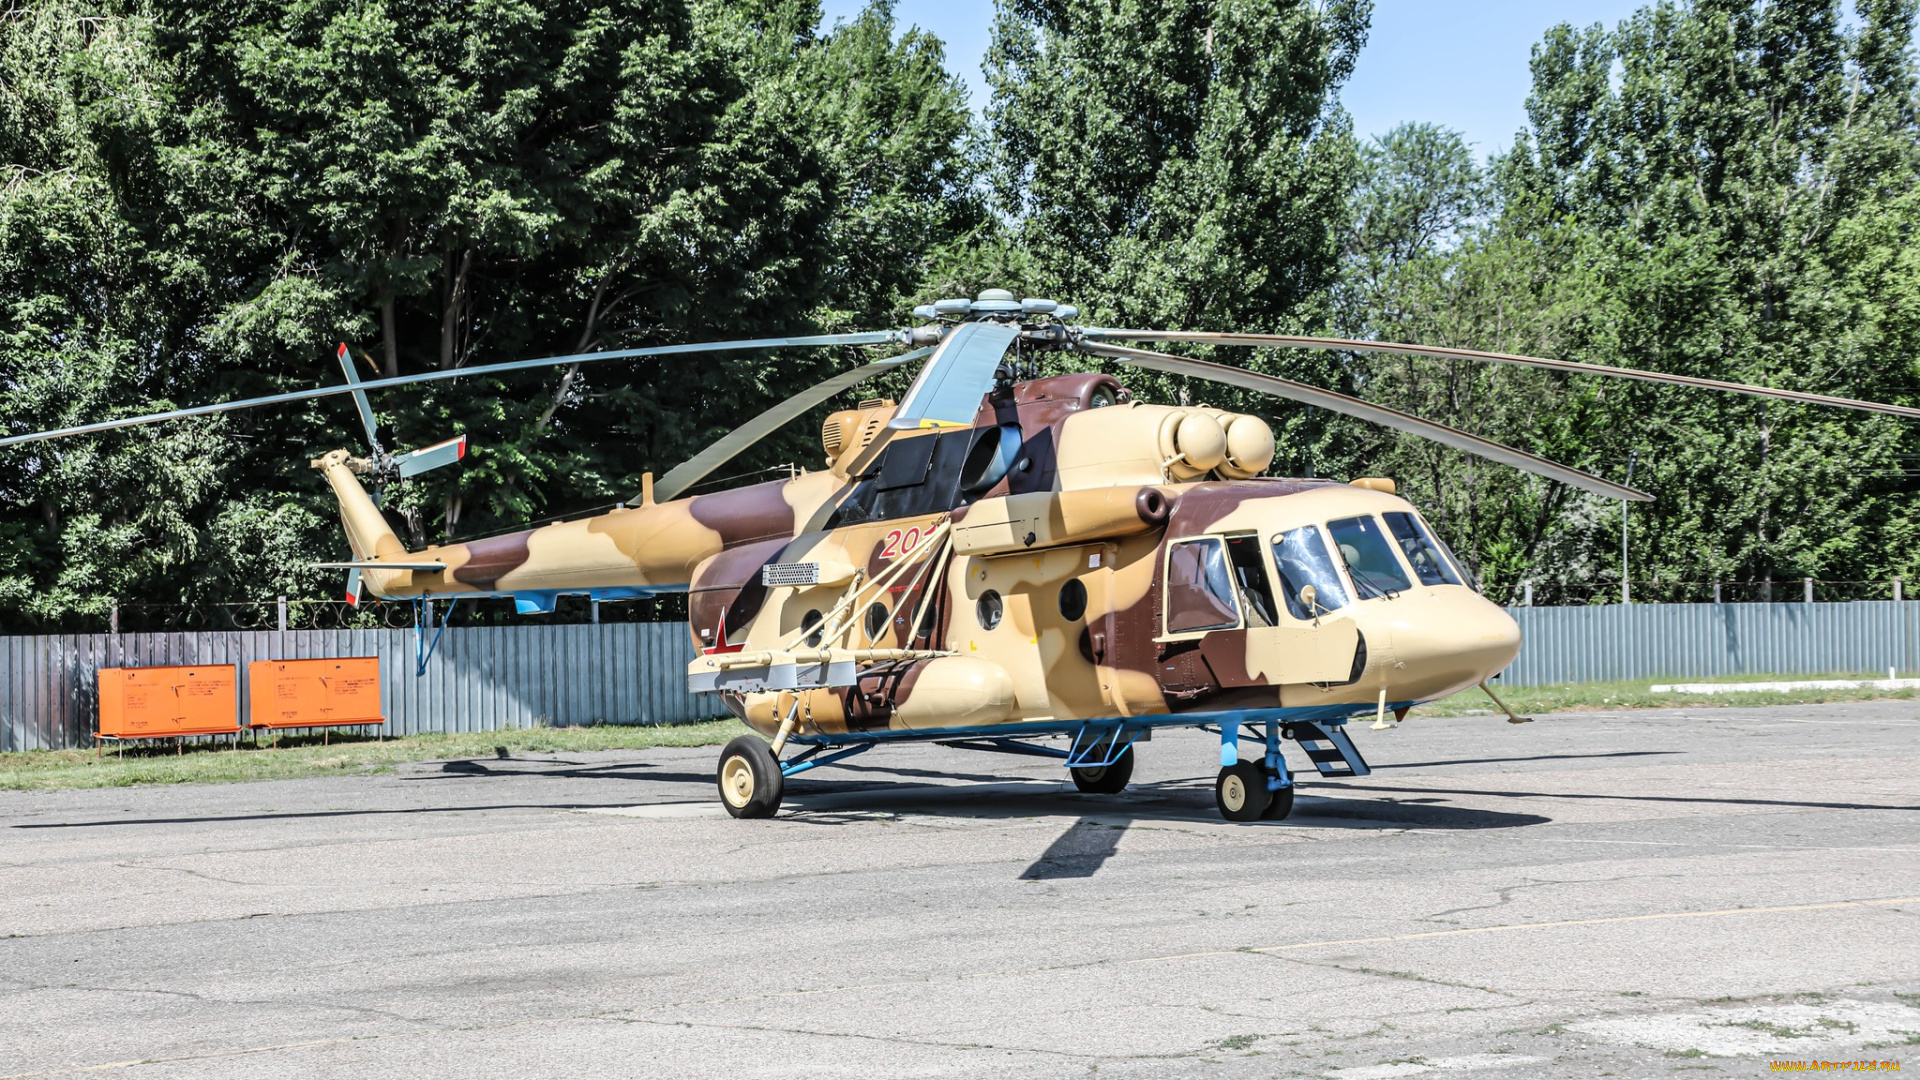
x=1005, y=562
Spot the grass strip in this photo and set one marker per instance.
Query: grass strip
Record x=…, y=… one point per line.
x=1638, y=694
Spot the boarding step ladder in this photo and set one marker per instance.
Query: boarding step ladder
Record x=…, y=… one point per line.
x=1332, y=752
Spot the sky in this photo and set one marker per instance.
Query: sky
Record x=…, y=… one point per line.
x=1457, y=63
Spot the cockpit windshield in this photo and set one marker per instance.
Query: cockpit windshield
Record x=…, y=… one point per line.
x=1302, y=559
x=1369, y=557
x=1423, y=550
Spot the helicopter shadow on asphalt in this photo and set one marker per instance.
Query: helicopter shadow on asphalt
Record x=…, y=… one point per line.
x=1086, y=845
x=1102, y=821
x=1080, y=850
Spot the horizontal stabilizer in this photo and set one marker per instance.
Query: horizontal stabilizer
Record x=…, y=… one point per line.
x=415, y=462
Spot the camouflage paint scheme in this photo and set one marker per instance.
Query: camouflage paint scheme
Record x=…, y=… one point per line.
x=1097, y=493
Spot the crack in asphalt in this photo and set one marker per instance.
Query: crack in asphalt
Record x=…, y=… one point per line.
x=905, y=1040
x=1505, y=894
x=208, y=999
x=1404, y=976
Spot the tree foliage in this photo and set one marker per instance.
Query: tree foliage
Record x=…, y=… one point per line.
x=199, y=199
x=1721, y=189
x=203, y=198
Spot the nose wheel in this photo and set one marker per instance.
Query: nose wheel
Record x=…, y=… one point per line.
x=1259, y=789
x=1240, y=791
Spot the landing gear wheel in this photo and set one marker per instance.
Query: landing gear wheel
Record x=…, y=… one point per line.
x=1280, y=805
x=750, y=780
x=1241, y=792
x=1105, y=779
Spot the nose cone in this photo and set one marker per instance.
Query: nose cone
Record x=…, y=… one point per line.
x=1448, y=641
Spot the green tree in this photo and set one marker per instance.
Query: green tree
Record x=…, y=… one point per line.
x=1423, y=265
x=1182, y=164
x=201, y=199
x=1717, y=188
x=1744, y=187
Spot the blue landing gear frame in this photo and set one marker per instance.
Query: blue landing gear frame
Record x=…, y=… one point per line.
x=1104, y=742
x=811, y=758
x=422, y=617
x=1276, y=765
x=1094, y=746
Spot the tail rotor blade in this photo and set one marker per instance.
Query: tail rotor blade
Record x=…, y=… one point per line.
x=415, y=462
x=1378, y=414
x=359, y=397
x=353, y=586
x=729, y=446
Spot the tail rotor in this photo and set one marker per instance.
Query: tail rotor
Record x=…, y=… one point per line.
x=384, y=467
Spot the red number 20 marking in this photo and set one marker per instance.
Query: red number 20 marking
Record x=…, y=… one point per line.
x=899, y=543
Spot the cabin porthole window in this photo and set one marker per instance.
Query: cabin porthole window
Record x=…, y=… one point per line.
x=808, y=622
x=989, y=610
x=876, y=621
x=1073, y=600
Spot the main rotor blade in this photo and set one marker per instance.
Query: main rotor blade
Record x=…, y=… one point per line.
x=1282, y=341
x=728, y=446
x=948, y=390
x=1378, y=414
x=874, y=337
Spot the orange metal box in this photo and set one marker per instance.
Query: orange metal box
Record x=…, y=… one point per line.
x=160, y=702
x=314, y=693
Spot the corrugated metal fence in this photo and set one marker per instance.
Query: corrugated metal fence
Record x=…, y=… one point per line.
x=1650, y=641
x=484, y=678
x=479, y=679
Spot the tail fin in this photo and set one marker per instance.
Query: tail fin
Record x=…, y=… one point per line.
x=367, y=528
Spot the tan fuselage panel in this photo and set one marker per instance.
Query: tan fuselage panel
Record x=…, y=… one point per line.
x=1136, y=444
x=1044, y=519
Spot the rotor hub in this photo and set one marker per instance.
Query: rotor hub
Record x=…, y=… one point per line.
x=997, y=305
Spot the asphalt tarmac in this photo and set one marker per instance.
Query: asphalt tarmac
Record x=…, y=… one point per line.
x=1679, y=893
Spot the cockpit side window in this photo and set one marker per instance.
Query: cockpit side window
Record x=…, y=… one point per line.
x=1453, y=560
x=1369, y=557
x=1200, y=587
x=1301, y=557
x=1422, y=549
x=1250, y=577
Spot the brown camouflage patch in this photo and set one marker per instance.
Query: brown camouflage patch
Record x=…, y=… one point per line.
x=490, y=559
